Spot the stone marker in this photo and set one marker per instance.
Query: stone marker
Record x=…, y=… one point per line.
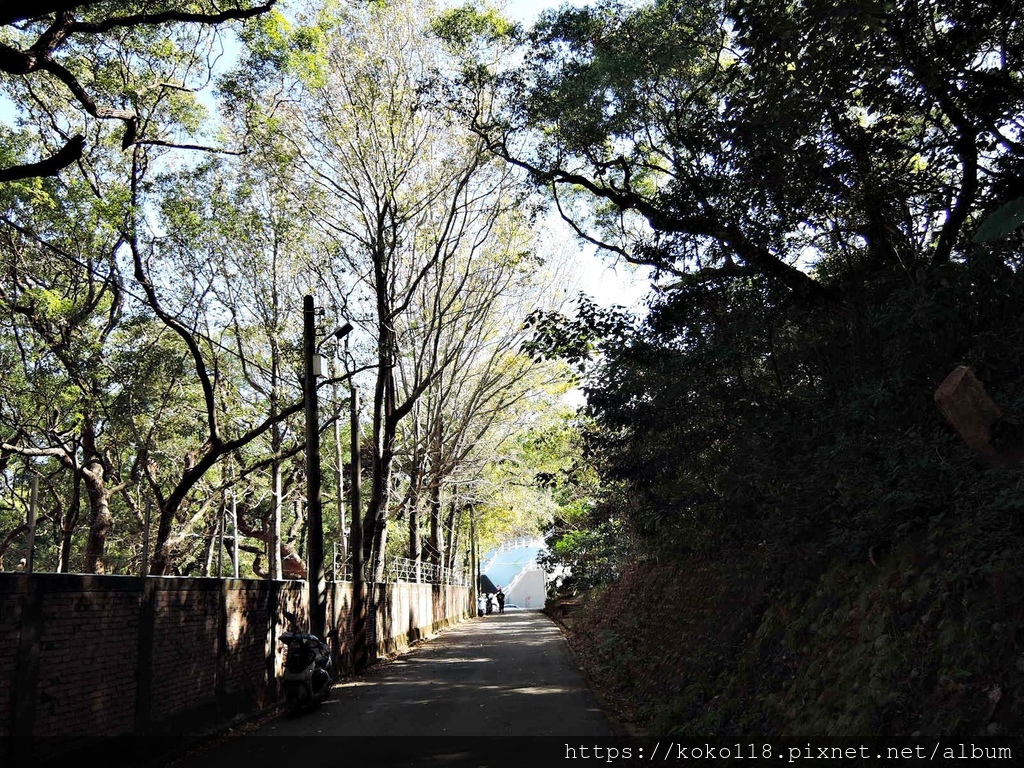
x=967, y=407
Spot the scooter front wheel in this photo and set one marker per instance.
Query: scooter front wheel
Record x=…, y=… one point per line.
x=295, y=702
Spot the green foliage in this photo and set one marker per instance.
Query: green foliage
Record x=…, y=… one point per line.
x=462, y=26
x=587, y=542
x=754, y=402
x=590, y=555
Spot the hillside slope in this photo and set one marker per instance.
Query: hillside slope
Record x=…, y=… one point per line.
x=926, y=642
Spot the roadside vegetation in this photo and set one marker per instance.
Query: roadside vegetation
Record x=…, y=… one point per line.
x=177, y=176
x=789, y=537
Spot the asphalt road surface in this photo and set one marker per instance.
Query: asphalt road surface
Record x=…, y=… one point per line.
x=497, y=690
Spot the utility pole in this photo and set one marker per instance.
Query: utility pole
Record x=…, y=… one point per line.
x=33, y=501
x=144, y=568
x=315, y=579
x=359, y=651
x=341, y=550
x=474, y=562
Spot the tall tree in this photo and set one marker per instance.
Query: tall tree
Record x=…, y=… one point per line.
x=783, y=160
x=415, y=211
x=65, y=62
x=763, y=139
x=242, y=224
x=489, y=393
x=62, y=301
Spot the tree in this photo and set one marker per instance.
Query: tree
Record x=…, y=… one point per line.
x=808, y=178
x=420, y=225
x=67, y=59
x=810, y=143
x=467, y=426
x=63, y=301
x=243, y=224
x=60, y=46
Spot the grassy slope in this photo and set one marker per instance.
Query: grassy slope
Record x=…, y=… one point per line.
x=926, y=642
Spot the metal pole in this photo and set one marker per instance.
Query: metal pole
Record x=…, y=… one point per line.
x=474, y=561
x=359, y=650
x=275, y=526
x=234, y=530
x=315, y=578
x=33, y=499
x=356, y=529
x=340, y=479
x=144, y=569
x=220, y=542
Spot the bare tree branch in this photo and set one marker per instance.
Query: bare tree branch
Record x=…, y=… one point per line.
x=149, y=19
x=12, y=11
x=51, y=166
x=39, y=58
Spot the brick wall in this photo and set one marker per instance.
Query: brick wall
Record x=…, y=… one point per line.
x=89, y=661
x=86, y=627
x=10, y=633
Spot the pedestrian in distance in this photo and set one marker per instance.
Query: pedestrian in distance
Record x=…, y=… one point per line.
x=490, y=603
x=501, y=601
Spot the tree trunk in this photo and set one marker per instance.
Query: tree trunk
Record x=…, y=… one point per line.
x=415, y=537
x=68, y=524
x=101, y=521
x=452, y=533
x=379, y=552
x=436, y=527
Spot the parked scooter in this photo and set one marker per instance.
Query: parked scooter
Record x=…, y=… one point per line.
x=307, y=669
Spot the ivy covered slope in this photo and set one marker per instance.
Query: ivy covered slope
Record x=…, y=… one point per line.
x=801, y=545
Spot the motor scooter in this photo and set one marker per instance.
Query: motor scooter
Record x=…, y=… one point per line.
x=307, y=668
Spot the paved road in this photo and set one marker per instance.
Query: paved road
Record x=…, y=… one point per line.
x=496, y=690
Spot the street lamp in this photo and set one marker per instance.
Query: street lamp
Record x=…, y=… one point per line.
x=315, y=576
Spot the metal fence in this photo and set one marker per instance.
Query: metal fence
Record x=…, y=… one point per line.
x=404, y=569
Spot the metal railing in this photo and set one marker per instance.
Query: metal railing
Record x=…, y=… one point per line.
x=522, y=541
x=404, y=569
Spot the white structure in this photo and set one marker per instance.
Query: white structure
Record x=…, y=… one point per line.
x=529, y=589
x=514, y=568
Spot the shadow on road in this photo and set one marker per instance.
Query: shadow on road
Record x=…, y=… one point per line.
x=486, y=689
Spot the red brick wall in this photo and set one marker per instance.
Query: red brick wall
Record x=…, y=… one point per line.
x=85, y=659
x=246, y=642
x=185, y=644
x=10, y=633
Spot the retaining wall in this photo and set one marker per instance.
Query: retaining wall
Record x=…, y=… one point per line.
x=89, y=662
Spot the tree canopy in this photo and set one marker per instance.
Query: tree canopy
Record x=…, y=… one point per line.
x=809, y=143
x=155, y=281
x=809, y=180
